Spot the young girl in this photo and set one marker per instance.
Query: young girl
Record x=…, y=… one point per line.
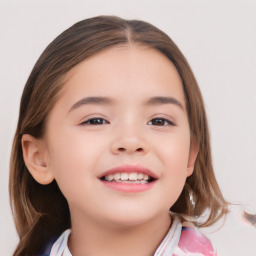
x=112, y=155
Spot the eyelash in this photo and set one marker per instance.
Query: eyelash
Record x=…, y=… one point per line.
x=166, y=121
x=87, y=122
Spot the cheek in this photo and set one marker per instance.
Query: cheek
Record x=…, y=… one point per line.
x=74, y=158
x=174, y=151
x=174, y=156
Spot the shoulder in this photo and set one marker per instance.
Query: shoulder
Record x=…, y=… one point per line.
x=193, y=242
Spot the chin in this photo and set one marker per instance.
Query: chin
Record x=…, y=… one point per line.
x=130, y=217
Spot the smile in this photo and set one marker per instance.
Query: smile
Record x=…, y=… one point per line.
x=129, y=178
x=133, y=177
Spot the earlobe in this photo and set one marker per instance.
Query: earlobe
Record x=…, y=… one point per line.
x=194, y=148
x=34, y=155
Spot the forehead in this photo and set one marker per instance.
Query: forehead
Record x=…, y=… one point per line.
x=128, y=70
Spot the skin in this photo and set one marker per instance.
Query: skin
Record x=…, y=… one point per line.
x=76, y=153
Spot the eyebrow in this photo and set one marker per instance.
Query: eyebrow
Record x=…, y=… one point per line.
x=92, y=101
x=158, y=100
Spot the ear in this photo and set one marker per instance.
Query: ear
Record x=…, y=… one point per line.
x=193, y=152
x=35, y=158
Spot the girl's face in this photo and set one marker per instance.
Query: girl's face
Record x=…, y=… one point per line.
x=123, y=107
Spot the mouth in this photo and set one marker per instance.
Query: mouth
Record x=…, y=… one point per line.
x=125, y=177
x=129, y=178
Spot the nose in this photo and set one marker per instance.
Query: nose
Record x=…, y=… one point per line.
x=129, y=141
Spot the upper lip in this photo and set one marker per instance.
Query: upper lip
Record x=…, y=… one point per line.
x=127, y=168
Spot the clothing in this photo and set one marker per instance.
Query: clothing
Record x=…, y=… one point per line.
x=182, y=239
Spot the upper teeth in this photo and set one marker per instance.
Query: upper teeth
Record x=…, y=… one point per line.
x=127, y=176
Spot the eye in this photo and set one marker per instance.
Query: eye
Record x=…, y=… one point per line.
x=94, y=121
x=160, y=122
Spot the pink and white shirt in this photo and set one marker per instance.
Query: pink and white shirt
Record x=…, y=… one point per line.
x=182, y=239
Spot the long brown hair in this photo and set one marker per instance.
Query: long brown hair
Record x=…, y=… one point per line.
x=41, y=212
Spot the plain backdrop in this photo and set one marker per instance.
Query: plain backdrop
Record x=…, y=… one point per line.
x=219, y=40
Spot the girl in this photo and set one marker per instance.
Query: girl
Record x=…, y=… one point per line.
x=112, y=155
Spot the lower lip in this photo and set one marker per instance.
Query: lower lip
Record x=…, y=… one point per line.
x=129, y=187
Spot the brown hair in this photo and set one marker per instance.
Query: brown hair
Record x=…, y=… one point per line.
x=41, y=212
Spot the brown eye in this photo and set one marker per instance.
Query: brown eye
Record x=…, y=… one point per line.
x=94, y=121
x=160, y=122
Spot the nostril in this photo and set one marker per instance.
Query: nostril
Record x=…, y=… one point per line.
x=123, y=149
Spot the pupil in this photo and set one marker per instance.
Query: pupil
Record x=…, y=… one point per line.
x=96, y=121
x=158, y=121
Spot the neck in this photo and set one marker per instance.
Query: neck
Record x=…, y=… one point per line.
x=92, y=238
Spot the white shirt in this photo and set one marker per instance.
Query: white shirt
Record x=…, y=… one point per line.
x=166, y=248
x=181, y=240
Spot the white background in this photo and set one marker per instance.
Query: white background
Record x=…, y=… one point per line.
x=219, y=40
